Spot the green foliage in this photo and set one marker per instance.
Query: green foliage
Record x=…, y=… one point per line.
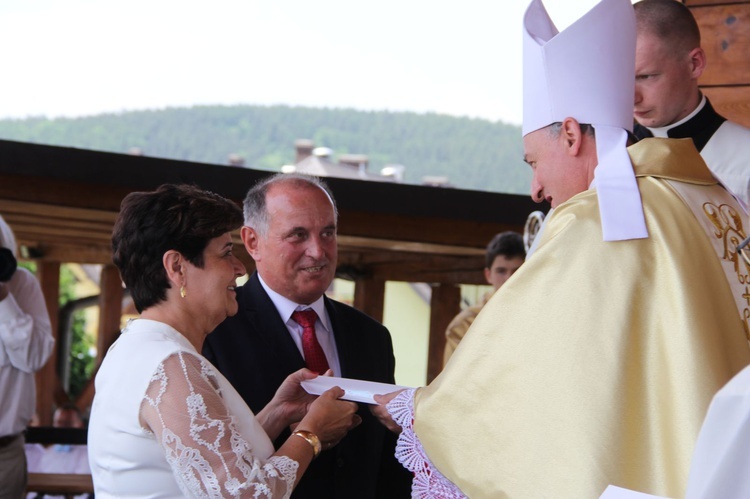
x=30, y=266
x=472, y=153
x=67, y=285
x=81, y=360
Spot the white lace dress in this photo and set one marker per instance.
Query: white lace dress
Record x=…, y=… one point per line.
x=166, y=424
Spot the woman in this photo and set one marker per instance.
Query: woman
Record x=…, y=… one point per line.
x=164, y=422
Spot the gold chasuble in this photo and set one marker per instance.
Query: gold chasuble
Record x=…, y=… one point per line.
x=595, y=363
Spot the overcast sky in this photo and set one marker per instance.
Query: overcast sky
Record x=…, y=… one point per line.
x=83, y=57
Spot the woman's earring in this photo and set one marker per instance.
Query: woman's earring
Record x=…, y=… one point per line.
x=183, y=293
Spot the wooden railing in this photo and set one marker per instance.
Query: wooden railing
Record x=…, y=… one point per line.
x=65, y=484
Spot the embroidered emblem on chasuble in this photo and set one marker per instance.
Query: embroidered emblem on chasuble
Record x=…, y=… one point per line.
x=727, y=222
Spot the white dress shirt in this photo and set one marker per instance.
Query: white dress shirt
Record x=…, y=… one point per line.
x=26, y=342
x=323, y=328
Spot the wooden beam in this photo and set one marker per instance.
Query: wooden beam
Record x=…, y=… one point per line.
x=412, y=267
x=731, y=102
x=48, y=274
x=60, y=483
x=726, y=41
x=403, y=227
x=370, y=243
x=67, y=252
x=369, y=297
x=445, y=303
x=105, y=218
x=700, y=3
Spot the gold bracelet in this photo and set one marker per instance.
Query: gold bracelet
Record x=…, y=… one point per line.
x=312, y=439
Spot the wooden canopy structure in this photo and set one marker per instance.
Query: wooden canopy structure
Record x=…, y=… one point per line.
x=62, y=203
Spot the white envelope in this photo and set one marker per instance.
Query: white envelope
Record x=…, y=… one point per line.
x=356, y=389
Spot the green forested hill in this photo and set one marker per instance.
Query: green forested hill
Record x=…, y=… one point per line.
x=472, y=153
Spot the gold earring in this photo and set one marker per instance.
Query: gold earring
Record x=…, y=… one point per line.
x=183, y=293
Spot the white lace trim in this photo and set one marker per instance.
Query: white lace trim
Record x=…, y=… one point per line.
x=201, y=441
x=428, y=482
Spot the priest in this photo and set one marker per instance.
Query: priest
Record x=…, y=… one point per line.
x=668, y=103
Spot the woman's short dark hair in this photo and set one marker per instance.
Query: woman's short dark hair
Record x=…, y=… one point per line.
x=183, y=218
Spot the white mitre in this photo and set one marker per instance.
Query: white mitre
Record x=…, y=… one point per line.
x=587, y=72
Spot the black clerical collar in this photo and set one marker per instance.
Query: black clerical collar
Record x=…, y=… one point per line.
x=700, y=127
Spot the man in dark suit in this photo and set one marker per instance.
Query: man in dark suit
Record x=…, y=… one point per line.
x=290, y=232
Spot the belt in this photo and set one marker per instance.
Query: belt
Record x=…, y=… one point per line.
x=8, y=439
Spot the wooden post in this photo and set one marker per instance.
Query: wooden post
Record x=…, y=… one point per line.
x=445, y=304
x=48, y=274
x=110, y=312
x=369, y=297
x=110, y=309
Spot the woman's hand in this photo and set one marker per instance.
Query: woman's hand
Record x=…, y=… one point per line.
x=330, y=418
x=380, y=412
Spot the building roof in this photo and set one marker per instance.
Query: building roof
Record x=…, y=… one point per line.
x=62, y=203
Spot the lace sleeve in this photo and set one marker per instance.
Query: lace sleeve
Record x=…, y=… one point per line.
x=184, y=409
x=428, y=482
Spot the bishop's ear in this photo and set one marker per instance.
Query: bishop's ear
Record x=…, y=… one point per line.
x=572, y=135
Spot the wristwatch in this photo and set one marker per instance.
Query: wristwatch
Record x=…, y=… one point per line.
x=312, y=439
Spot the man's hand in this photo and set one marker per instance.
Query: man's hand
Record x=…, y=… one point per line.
x=289, y=405
x=291, y=402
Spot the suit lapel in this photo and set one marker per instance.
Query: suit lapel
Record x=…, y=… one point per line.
x=339, y=336
x=271, y=330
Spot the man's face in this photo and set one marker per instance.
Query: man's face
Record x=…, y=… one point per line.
x=297, y=256
x=502, y=268
x=557, y=176
x=665, y=85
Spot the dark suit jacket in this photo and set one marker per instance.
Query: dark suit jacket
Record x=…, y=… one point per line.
x=255, y=352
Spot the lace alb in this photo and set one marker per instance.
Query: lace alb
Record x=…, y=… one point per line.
x=428, y=482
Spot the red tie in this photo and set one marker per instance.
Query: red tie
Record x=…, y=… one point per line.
x=315, y=358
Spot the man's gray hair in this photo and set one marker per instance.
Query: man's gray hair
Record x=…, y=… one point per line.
x=254, y=206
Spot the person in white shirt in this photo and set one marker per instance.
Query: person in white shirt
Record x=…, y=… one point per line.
x=26, y=342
